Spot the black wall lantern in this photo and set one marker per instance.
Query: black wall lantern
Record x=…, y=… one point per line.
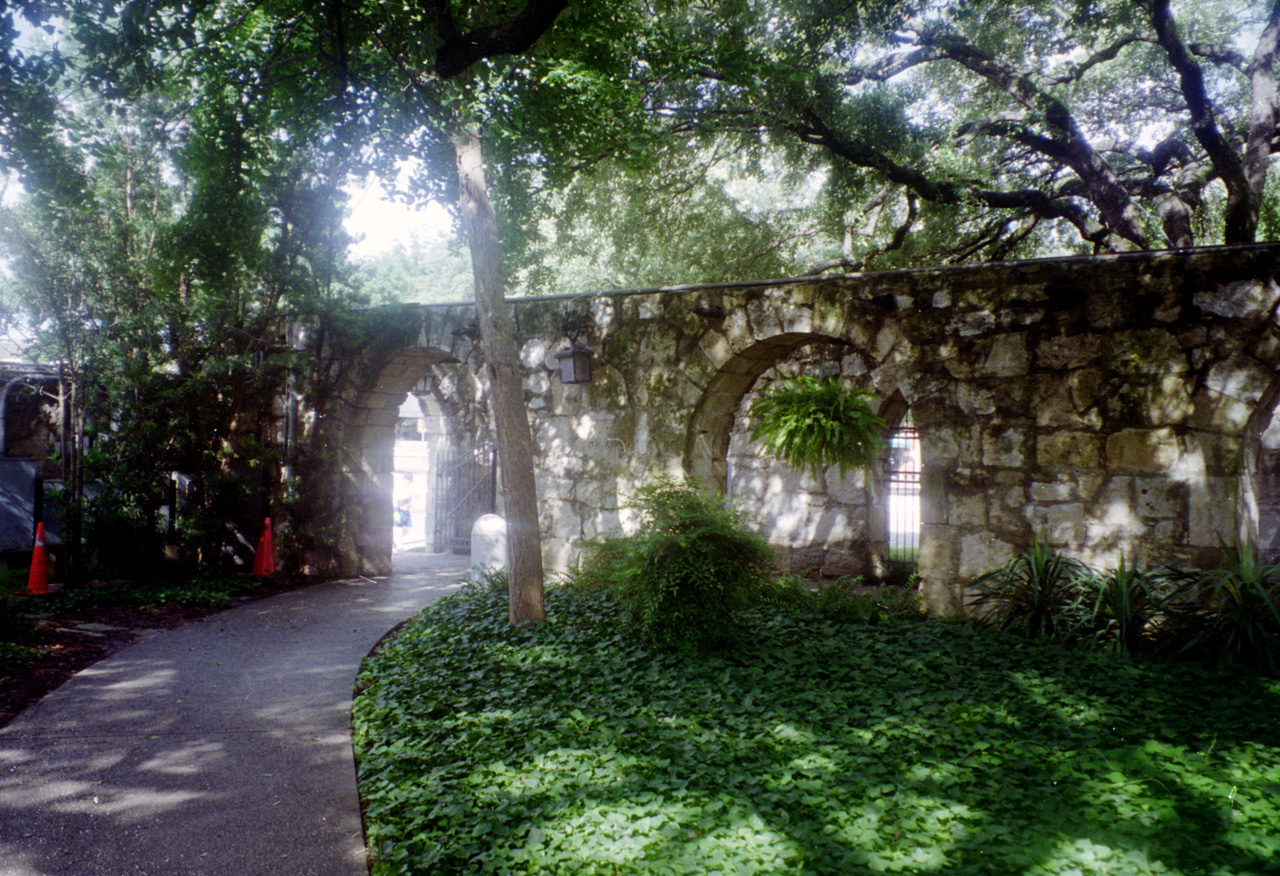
x=575, y=362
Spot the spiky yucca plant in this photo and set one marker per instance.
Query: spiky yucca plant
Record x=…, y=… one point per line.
x=1229, y=615
x=809, y=422
x=1035, y=593
x=1124, y=604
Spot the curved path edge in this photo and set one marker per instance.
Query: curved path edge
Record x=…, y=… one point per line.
x=221, y=748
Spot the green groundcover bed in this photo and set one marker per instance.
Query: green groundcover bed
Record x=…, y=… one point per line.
x=813, y=747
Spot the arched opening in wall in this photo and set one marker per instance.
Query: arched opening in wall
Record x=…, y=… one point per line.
x=386, y=462
x=899, y=480
x=446, y=474
x=1258, y=522
x=820, y=525
x=31, y=422
x=420, y=440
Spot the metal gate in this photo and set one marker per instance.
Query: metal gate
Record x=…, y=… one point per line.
x=902, y=494
x=466, y=489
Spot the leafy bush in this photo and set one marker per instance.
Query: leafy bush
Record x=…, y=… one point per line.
x=684, y=575
x=789, y=592
x=12, y=656
x=16, y=624
x=494, y=581
x=807, y=421
x=1035, y=593
x=1225, y=616
x=602, y=565
x=212, y=591
x=845, y=600
x=849, y=601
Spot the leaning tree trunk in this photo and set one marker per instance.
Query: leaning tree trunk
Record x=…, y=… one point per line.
x=511, y=421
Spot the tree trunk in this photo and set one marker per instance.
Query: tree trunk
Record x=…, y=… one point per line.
x=511, y=421
x=1262, y=118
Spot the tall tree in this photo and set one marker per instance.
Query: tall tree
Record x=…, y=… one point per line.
x=158, y=265
x=442, y=81
x=551, y=100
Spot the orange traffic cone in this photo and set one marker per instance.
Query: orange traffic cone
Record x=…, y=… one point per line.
x=264, y=561
x=38, y=580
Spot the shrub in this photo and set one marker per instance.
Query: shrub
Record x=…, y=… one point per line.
x=846, y=600
x=1122, y=607
x=1036, y=593
x=493, y=581
x=1227, y=615
x=683, y=576
x=788, y=592
x=602, y=564
x=16, y=623
x=849, y=601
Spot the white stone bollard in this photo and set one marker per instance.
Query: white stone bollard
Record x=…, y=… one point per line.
x=489, y=544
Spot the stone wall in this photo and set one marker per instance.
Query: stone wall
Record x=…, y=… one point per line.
x=1114, y=405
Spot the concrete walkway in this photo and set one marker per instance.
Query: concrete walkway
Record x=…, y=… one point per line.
x=222, y=748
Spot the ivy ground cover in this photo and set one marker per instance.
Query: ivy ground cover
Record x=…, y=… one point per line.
x=813, y=747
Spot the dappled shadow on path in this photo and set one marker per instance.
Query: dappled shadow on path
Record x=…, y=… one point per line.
x=219, y=748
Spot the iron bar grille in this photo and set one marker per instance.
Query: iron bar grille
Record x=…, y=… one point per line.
x=466, y=489
x=902, y=493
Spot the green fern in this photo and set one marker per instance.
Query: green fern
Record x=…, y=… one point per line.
x=809, y=422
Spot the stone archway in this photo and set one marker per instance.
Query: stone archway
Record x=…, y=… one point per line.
x=825, y=524
x=711, y=423
x=344, y=455
x=1258, y=509
x=371, y=439
x=1098, y=402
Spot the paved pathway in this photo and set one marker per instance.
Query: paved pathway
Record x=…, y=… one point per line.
x=221, y=748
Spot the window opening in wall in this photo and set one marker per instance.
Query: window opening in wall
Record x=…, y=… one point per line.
x=902, y=495
x=1266, y=489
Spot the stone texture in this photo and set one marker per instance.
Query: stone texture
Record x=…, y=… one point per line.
x=1007, y=357
x=981, y=553
x=1105, y=403
x=1239, y=299
x=1068, y=450
x=1142, y=450
x=1003, y=447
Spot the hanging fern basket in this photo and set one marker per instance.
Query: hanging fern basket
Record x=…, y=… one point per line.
x=810, y=422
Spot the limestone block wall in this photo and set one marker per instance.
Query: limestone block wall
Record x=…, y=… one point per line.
x=1113, y=405
x=1103, y=404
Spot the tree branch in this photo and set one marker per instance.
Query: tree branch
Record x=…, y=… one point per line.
x=1220, y=55
x=814, y=130
x=1262, y=115
x=515, y=36
x=848, y=262
x=1205, y=125
x=1067, y=141
x=890, y=66
x=1077, y=71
